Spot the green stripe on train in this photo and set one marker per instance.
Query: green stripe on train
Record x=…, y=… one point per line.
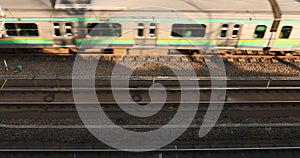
x=10, y=19
x=253, y=43
x=160, y=42
x=186, y=42
x=78, y=42
x=26, y=41
x=260, y=43
x=285, y=43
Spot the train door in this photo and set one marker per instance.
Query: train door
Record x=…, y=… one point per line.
x=229, y=35
x=146, y=34
x=63, y=34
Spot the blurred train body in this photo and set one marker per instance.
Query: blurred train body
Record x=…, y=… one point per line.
x=156, y=24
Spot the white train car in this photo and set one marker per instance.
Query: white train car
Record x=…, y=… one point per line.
x=156, y=24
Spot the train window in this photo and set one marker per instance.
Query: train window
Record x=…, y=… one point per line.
x=68, y=29
x=104, y=29
x=188, y=30
x=11, y=29
x=224, y=30
x=285, y=32
x=260, y=31
x=56, y=29
x=141, y=30
x=235, y=31
x=75, y=1
x=152, y=30
x=28, y=30
x=22, y=29
x=91, y=26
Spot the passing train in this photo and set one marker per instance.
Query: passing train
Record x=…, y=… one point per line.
x=272, y=25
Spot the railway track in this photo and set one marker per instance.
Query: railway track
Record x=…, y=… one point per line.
x=279, y=152
x=227, y=56
x=141, y=96
x=251, y=97
x=238, y=66
x=77, y=137
x=241, y=103
x=145, y=81
x=239, y=92
x=68, y=133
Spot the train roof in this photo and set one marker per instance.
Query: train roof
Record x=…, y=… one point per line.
x=180, y=5
x=289, y=10
x=288, y=6
x=213, y=9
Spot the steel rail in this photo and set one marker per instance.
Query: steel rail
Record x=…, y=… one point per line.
x=157, y=150
x=143, y=103
x=143, y=89
x=176, y=126
x=146, y=78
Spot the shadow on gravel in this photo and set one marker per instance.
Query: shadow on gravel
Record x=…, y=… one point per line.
x=289, y=64
x=261, y=69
